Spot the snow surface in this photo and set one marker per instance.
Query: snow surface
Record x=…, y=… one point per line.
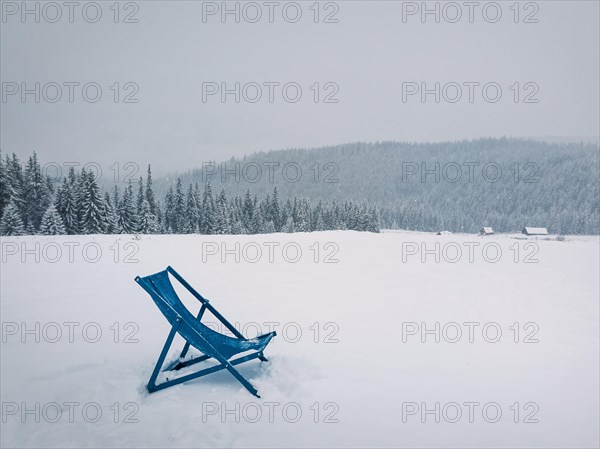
x=360, y=378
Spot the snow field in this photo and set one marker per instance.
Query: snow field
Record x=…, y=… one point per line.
x=384, y=340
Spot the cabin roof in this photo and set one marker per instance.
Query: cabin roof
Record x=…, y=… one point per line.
x=530, y=230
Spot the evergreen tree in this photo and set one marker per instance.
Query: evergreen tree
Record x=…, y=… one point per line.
x=178, y=223
x=169, y=215
x=150, y=192
x=328, y=218
x=14, y=182
x=350, y=217
x=66, y=206
x=148, y=223
x=268, y=228
x=275, y=211
x=128, y=220
x=208, y=211
x=318, y=222
x=74, y=214
x=141, y=195
x=289, y=225
x=4, y=188
x=257, y=223
x=286, y=211
x=363, y=219
x=236, y=220
x=191, y=215
x=248, y=212
x=79, y=189
x=29, y=230
x=374, y=220
x=50, y=188
x=93, y=212
x=112, y=216
x=237, y=227
x=198, y=201
x=52, y=223
x=302, y=221
x=160, y=220
x=294, y=212
x=222, y=224
x=37, y=197
x=115, y=199
x=11, y=222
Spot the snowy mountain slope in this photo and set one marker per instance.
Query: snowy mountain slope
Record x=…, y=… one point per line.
x=505, y=183
x=348, y=367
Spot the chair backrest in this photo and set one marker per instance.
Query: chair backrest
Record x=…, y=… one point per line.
x=165, y=297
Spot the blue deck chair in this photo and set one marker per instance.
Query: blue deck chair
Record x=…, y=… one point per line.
x=212, y=344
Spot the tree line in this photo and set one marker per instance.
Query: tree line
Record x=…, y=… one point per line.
x=31, y=203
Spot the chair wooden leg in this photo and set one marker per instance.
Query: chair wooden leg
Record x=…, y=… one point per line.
x=229, y=366
x=163, y=355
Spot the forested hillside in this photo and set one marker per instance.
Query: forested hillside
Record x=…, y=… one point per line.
x=32, y=202
x=457, y=186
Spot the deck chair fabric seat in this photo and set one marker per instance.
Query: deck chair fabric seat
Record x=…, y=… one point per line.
x=193, y=330
x=210, y=343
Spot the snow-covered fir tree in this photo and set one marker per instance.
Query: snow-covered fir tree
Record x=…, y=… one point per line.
x=128, y=219
x=141, y=196
x=66, y=203
x=159, y=218
x=147, y=223
x=4, y=188
x=222, y=224
x=169, y=214
x=150, y=192
x=289, y=225
x=112, y=217
x=208, y=218
x=318, y=221
x=93, y=218
x=52, y=223
x=36, y=195
x=192, y=213
x=248, y=210
x=198, y=200
x=275, y=211
x=11, y=222
x=14, y=182
x=302, y=221
x=178, y=221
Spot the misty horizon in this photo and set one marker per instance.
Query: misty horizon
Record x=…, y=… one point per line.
x=197, y=163
x=212, y=87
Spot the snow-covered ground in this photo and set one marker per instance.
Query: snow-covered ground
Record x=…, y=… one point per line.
x=349, y=367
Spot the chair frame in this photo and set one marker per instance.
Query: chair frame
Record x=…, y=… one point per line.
x=178, y=364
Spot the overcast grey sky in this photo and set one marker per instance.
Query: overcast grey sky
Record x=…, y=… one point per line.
x=366, y=57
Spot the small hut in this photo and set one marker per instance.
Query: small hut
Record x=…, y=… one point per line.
x=534, y=231
x=486, y=230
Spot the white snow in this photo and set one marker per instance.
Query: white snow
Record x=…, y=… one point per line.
x=355, y=366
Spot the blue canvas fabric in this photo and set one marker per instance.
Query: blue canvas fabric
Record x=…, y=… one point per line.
x=200, y=336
